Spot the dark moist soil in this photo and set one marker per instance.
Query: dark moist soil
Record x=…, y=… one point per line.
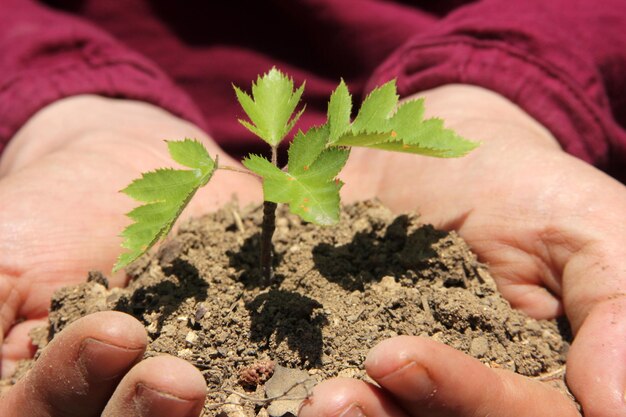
x=337, y=292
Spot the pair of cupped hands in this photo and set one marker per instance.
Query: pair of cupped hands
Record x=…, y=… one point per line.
x=550, y=227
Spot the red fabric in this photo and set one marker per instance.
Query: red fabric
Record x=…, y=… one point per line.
x=563, y=61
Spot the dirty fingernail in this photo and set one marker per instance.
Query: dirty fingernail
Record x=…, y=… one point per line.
x=153, y=403
x=104, y=361
x=410, y=382
x=353, y=410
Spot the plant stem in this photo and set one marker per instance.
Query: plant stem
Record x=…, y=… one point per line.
x=267, y=231
x=236, y=169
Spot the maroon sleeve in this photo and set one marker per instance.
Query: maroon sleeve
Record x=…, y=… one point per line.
x=563, y=61
x=46, y=55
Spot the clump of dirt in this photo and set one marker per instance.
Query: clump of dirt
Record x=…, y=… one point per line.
x=337, y=292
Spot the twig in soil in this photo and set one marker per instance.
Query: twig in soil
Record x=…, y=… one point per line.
x=262, y=401
x=282, y=397
x=391, y=313
x=477, y=273
x=558, y=373
x=357, y=316
x=238, y=221
x=311, y=269
x=233, y=306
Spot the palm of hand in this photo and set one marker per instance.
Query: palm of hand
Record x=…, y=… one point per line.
x=61, y=216
x=548, y=225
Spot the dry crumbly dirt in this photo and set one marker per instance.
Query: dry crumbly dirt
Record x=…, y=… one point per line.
x=337, y=292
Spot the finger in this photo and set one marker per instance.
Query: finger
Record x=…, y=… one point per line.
x=596, y=370
x=162, y=386
x=430, y=379
x=342, y=397
x=80, y=368
x=18, y=345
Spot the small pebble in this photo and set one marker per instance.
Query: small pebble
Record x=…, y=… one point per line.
x=191, y=338
x=479, y=347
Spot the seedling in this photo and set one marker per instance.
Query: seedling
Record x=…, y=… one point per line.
x=309, y=183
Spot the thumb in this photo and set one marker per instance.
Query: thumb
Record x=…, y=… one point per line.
x=596, y=370
x=80, y=368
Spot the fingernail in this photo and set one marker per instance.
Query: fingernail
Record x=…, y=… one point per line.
x=154, y=403
x=104, y=361
x=410, y=381
x=352, y=411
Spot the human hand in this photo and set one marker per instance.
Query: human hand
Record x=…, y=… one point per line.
x=551, y=229
x=94, y=368
x=61, y=214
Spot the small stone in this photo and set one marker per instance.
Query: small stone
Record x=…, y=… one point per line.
x=185, y=354
x=169, y=252
x=191, y=338
x=479, y=347
x=388, y=281
x=201, y=311
x=233, y=408
x=98, y=277
x=152, y=328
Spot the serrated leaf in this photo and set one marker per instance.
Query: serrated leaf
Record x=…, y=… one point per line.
x=190, y=153
x=166, y=193
x=376, y=109
x=402, y=131
x=311, y=191
x=430, y=138
x=271, y=106
x=306, y=147
x=315, y=202
x=363, y=139
x=153, y=185
x=326, y=167
x=339, y=109
x=408, y=118
x=262, y=167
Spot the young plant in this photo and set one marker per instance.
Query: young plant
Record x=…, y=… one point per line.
x=309, y=183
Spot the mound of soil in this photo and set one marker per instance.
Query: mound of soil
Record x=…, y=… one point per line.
x=337, y=292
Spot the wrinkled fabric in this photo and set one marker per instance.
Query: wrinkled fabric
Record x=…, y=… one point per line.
x=562, y=61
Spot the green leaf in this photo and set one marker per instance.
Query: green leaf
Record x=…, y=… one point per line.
x=271, y=106
x=262, y=167
x=363, y=139
x=306, y=147
x=376, y=109
x=377, y=127
x=309, y=186
x=339, y=109
x=190, y=153
x=430, y=138
x=166, y=193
